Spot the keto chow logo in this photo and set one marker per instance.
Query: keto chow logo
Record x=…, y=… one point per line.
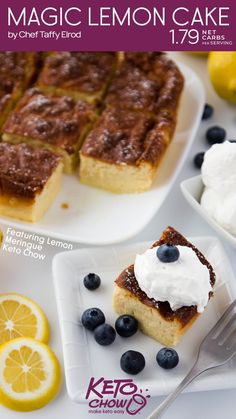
x=120, y=396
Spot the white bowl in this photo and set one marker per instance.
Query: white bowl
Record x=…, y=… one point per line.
x=192, y=190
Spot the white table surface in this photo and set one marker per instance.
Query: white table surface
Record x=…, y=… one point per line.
x=33, y=278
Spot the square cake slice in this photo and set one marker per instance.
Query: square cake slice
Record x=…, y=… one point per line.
x=146, y=82
x=124, y=149
x=29, y=181
x=80, y=74
x=156, y=317
x=17, y=70
x=58, y=123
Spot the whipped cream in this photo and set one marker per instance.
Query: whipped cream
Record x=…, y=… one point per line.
x=185, y=282
x=219, y=178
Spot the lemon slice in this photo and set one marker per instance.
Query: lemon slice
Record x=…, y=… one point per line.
x=29, y=374
x=21, y=317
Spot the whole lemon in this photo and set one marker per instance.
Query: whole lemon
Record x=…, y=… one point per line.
x=222, y=71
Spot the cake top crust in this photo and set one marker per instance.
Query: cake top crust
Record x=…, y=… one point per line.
x=128, y=280
x=24, y=171
x=147, y=81
x=85, y=72
x=118, y=136
x=16, y=70
x=55, y=120
x=125, y=137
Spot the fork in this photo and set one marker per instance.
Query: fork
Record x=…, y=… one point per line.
x=217, y=348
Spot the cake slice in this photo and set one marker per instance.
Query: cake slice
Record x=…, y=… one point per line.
x=29, y=181
x=117, y=155
x=58, y=123
x=17, y=70
x=124, y=149
x=80, y=74
x=180, y=282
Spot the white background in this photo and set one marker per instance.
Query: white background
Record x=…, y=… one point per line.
x=33, y=278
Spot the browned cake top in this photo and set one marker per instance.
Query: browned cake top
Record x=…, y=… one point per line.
x=85, y=72
x=56, y=120
x=146, y=82
x=12, y=69
x=122, y=136
x=128, y=280
x=118, y=136
x=13, y=73
x=24, y=171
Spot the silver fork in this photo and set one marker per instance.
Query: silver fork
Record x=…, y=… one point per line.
x=217, y=348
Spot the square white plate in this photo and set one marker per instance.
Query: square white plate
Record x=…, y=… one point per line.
x=192, y=190
x=97, y=217
x=84, y=358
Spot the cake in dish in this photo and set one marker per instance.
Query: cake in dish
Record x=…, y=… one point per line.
x=219, y=179
x=124, y=149
x=165, y=297
x=29, y=181
x=58, y=123
x=17, y=70
x=81, y=74
x=116, y=155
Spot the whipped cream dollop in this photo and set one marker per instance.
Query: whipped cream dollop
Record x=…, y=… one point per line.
x=185, y=282
x=219, y=179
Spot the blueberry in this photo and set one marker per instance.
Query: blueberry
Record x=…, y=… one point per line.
x=215, y=135
x=105, y=334
x=167, y=358
x=132, y=362
x=208, y=111
x=126, y=326
x=92, y=318
x=198, y=160
x=168, y=253
x=92, y=281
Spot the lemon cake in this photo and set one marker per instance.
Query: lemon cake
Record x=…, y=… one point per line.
x=58, y=123
x=116, y=156
x=83, y=75
x=17, y=70
x=166, y=289
x=29, y=181
x=124, y=149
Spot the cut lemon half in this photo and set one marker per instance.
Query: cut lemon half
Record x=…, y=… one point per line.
x=30, y=374
x=21, y=317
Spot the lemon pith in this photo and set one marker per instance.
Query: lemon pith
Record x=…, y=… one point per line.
x=30, y=374
x=21, y=317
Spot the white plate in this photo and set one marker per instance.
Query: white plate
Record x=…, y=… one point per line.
x=97, y=217
x=192, y=190
x=84, y=358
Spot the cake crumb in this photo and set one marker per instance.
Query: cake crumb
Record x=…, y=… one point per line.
x=65, y=205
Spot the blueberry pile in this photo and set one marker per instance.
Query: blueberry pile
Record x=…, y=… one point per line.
x=214, y=135
x=93, y=319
